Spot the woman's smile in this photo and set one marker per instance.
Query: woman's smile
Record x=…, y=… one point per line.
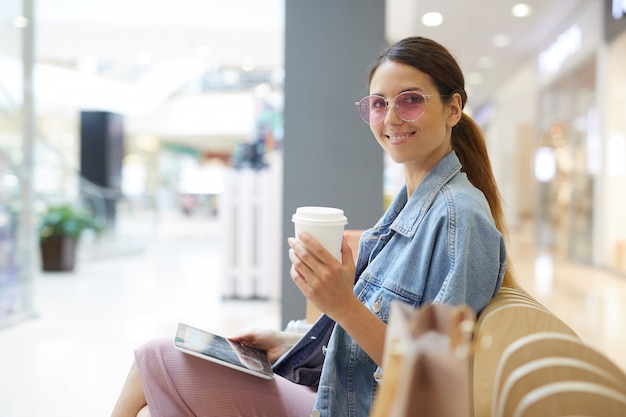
x=398, y=138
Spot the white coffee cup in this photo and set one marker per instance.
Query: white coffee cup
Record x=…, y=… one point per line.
x=324, y=224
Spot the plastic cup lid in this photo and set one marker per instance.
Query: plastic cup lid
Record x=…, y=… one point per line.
x=319, y=214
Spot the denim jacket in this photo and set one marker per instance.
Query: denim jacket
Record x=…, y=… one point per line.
x=440, y=246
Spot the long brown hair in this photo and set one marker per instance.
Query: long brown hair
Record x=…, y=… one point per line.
x=468, y=141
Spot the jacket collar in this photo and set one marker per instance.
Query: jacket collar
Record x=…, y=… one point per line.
x=405, y=216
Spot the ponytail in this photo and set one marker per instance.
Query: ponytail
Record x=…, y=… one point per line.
x=470, y=146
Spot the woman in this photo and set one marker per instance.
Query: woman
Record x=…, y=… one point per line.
x=441, y=240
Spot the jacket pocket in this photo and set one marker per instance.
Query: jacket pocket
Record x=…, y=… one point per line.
x=378, y=299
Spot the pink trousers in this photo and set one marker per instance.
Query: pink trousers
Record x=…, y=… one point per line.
x=177, y=384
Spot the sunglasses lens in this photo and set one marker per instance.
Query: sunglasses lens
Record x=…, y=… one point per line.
x=372, y=109
x=410, y=105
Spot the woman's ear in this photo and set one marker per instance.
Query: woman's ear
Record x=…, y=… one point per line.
x=455, y=107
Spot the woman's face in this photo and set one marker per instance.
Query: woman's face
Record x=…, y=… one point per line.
x=421, y=143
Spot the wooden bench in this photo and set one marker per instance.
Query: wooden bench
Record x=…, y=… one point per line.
x=521, y=348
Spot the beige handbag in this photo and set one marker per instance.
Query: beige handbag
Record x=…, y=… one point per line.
x=426, y=364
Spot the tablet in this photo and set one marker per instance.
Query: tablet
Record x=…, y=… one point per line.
x=218, y=349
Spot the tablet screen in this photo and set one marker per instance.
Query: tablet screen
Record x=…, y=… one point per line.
x=220, y=350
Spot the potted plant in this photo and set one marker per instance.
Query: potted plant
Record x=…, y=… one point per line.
x=60, y=229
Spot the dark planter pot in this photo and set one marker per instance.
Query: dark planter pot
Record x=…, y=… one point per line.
x=58, y=253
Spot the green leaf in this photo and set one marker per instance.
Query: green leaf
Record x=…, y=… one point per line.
x=66, y=220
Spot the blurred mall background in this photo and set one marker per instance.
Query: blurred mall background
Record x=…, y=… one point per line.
x=191, y=130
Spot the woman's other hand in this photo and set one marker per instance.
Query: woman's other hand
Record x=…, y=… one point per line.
x=274, y=342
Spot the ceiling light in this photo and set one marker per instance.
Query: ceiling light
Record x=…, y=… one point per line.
x=148, y=143
x=20, y=22
x=432, y=19
x=263, y=90
x=501, y=41
x=521, y=10
x=249, y=63
x=485, y=62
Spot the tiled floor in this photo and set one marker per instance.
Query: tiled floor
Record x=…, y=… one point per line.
x=73, y=358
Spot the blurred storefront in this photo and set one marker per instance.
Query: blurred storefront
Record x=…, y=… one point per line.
x=568, y=160
x=611, y=215
x=44, y=149
x=562, y=120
